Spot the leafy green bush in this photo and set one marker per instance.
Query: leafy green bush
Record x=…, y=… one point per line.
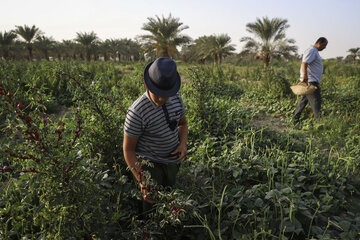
x=63, y=175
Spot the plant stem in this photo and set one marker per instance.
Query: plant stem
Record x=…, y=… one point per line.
x=219, y=209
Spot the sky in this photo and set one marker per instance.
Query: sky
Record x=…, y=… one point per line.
x=337, y=20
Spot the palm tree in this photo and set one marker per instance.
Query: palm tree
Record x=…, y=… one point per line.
x=273, y=42
x=135, y=50
x=88, y=40
x=130, y=49
x=29, y=34
x=214, y=47
x=58, y=50
x=70, y=49
x=339, y=58
x=201, y=50
x=116, y=48
x=6, y=40
x=105, y=49
x=354, y=52
x=222, y=47
x=44, y=44
x=164, y=35
x=113, y=47
x=123, y=48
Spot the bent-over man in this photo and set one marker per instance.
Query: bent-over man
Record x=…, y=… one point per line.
x=156, y=129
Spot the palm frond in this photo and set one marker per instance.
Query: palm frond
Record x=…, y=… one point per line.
x=164, y=34
x=29, y=34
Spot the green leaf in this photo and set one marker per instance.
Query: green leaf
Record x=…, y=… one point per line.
x=259, y=202
x=271, y=194
x=301, y=178
x=345, y=225
x=316, y=230
x=286, y=190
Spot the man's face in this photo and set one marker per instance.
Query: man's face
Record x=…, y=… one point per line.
x=322, y=45
x=159, y=101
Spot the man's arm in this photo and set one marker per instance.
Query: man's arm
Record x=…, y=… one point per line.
x=129, y=147
x=304, y=66
x=183, y=134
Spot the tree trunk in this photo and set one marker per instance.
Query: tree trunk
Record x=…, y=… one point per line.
x=163, y=52
x=29, y=47
x=5, y=54
x=46, y=54
x=88, y=55
x=266, y=60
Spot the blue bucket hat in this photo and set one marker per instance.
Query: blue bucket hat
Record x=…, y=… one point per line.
x=162, y=78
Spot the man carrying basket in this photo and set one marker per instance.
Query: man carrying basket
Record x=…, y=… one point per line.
x=311, y=71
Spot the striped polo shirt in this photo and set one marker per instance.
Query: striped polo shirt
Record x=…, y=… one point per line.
x=147, y=122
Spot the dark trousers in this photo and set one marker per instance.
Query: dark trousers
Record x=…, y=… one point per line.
x=315, y=102
x=162, y=174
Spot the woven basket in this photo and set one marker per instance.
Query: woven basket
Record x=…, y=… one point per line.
x=303, y=88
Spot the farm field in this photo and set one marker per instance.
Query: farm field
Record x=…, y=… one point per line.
x=250, y=173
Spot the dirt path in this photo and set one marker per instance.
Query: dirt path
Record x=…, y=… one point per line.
x=265, y=120
x=273, y=123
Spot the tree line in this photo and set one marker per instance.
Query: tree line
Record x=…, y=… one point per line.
x=163, y=39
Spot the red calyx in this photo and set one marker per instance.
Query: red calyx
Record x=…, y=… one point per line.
x=20, y=106
x=28, y=119
x=6, y=168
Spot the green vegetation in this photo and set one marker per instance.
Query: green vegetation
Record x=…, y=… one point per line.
x=249, y=174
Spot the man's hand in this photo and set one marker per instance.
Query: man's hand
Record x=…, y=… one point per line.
x=145, y=193
x=305, y=79
x=182, y=150
x=304, y=66
x=183, y=133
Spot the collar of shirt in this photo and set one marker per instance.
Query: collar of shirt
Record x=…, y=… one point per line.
x=151, y=101
x=313, y=46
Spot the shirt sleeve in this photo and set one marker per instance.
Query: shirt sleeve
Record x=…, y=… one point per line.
x=133, y=124
x=309, y=56
x=183, y=111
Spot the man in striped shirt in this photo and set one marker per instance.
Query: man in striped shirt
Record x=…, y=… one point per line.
x=155, y=128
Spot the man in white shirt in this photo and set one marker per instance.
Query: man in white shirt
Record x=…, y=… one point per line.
x=311, y=71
